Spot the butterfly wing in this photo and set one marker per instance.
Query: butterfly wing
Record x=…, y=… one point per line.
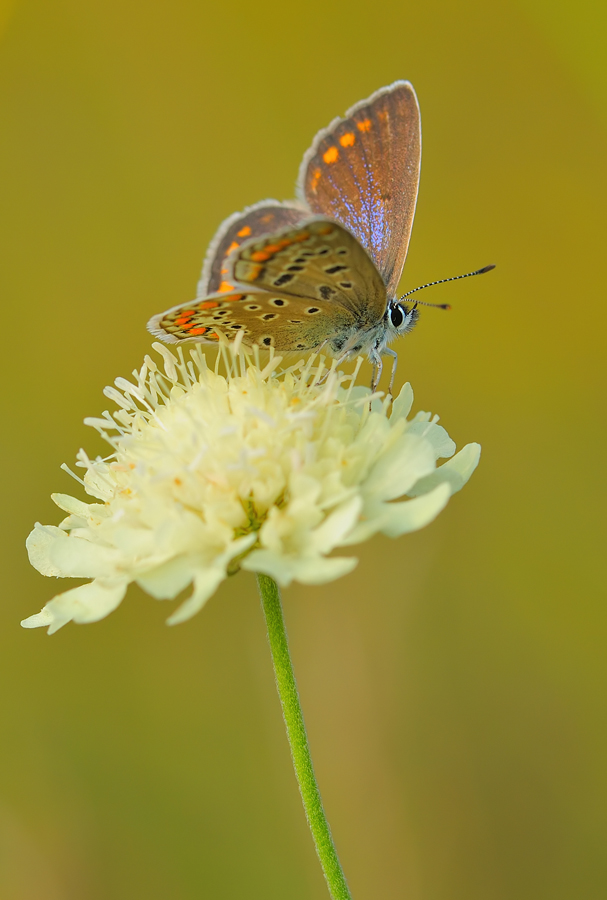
x=267, y=319
x=363, y=170
x=252, y=222
x=318, y=260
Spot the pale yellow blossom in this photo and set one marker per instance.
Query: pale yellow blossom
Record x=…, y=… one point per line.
x=260, y=468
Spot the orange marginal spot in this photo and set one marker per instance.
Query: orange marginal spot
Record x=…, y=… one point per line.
x=315, y=179
x=254, y=272
x=383, y=115
x=198, y=330
x=212, y=336
x=235, y=297
x=347, y=140
x=187, y=312
x=331, y=155
x=271, y=249
x=208, y=304
x=301, y=237
x=365, y=125
x=325, y=229
x=267, y=218
x=232, y=246
x=260, y=256
x=244, y=232
x=226, y=286
x=182, y=321
x=224, y=271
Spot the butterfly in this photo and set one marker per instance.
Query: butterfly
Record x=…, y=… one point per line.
x=320, y=272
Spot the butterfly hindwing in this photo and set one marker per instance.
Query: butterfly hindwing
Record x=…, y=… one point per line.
x=268, y=319
x=363, y=170
x=254, y=221
x=318, y=260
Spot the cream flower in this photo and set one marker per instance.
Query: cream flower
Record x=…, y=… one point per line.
x=264, y=469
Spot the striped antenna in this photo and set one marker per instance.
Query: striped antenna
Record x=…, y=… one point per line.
x=442, y=281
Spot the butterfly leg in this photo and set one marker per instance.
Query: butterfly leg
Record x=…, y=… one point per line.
x=394, y=356
x=377, y=369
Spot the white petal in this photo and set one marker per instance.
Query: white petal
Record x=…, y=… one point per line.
x=70, y=523
x=39, y=544
x=410, y=515
x=365, y=529
x=39, y=620
x=319, y=570
x=305, y=488
x=138, y=543
x=86, y=603
x=308, y=570
x=442, y=444
x=205, y=584
x=275, y=564
x=98, y=485
x=455, y=472
x=78, y=508
x=401, y=407
x=240, y=545
x=79, y=558
x=336, y=526
x=396, y=471
x=166, y=581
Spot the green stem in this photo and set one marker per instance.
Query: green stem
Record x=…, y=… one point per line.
x=298, y=740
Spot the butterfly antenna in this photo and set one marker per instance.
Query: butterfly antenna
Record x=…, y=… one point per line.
x=442, y=281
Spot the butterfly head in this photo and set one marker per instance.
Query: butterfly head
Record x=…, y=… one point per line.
x=401, y=318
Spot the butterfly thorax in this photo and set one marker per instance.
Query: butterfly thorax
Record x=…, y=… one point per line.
x=373, y=339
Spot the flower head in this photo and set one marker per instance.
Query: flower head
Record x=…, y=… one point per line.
x=259, y=468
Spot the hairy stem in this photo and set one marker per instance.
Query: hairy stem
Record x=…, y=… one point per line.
x=298, y=740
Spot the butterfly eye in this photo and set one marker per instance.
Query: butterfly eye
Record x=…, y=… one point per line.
x=397, y=317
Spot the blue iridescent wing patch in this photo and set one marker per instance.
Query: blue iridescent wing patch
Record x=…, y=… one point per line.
x=363, y=170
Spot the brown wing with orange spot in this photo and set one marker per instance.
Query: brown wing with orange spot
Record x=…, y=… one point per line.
x=318, y=260
x=363, y=170
x=268, y=319
x=254, y=221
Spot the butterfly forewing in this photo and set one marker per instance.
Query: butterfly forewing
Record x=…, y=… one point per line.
x=318, y=260
x=268, y=319
x=363, y=170
x=262, y=218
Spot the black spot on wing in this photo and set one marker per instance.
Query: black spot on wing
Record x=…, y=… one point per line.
x=326, y=291
x=283, y=279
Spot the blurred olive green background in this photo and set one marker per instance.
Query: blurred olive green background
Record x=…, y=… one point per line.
x=455, y=686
